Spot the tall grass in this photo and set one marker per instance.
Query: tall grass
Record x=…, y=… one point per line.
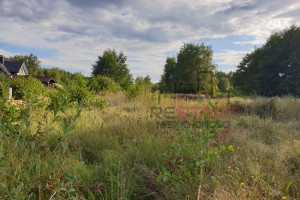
x=118, y=152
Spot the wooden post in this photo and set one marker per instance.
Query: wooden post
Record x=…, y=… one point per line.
x=9, y=93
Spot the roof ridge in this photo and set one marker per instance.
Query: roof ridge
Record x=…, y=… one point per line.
x=4, y=69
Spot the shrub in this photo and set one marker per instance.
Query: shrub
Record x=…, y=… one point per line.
x=59, y=98
x=17, y=86
x=192, y=154
x=99, y=103
x=132, y=91
x=101, y=83
x=78, y=90
x=4, y=82
x=27, y=88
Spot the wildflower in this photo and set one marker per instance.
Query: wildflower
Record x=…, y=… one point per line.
x=283, y=197
x=242, y=184
x=252, y=176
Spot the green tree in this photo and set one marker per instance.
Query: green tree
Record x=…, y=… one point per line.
x=273, y=69
x=33, y=65
x=78, y=89
x=192, y=73
x=194, y=69
x=31, y=61
x=221, y=74
x=143, y=84
x=114, y=66
x=169, y=74
x=224, y=84
x=162, y=83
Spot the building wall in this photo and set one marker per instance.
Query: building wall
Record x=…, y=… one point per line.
x=22, y=71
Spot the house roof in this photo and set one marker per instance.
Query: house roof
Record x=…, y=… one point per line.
x=4, y=69
x=45, y=79
x=12, y=66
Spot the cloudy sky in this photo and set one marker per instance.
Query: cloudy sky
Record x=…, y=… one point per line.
x=70, y=34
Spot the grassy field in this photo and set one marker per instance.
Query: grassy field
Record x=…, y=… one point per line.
x=124, y=152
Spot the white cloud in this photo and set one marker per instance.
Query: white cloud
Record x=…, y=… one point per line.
x=79, y=31
x=228, y=57
x=257, y=41
x=7, y=53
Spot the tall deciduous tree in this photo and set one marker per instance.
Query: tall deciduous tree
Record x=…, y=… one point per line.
x=194, y=69
x=31, y=61
x=113, y=65
x=224, y=84
x=273, y=69
x=143, y=83
x=192, y=73
x=169, y=74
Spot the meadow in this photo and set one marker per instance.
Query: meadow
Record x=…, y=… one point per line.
x=120, y=150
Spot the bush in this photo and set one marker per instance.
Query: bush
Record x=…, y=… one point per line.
x=78, y=89
x=99, y=103
x=17, y=86
x=59, y=98
x=101, y=83
x=191, y=155
x=132, y=92
x=27, y=88
x=3, y=85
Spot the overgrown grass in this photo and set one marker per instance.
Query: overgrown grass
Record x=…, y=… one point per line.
x=118, y=152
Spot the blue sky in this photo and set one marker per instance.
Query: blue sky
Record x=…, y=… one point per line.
x=70, y=34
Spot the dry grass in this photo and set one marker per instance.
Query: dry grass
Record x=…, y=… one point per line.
x=122, y=146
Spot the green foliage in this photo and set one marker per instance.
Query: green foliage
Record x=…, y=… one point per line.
x=10, y=114
x=78, y=89
x=162, y=83
x=192, y=73
x=59, y=98
x=10, y=117
x=143, y=84
x=169, y=75
x=33, y=65
x=29, y=173
x=194, y=64
x=273, y=69
x=27, y=88
x=229, y=75
x=101, y=83
x=114, y=66
x=59, y=75
x=192, y=153
x=237, y=92
x=99, y=103
x=4, y=83
x=132, y=92
x=29, y=162
x=31, y=61
x=156, y=86
x=224, y=84
x=116, y=153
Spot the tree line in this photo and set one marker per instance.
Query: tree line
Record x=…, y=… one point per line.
x=33, y=65
x=274, y=68
x=271, y=70
x=193, y=71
